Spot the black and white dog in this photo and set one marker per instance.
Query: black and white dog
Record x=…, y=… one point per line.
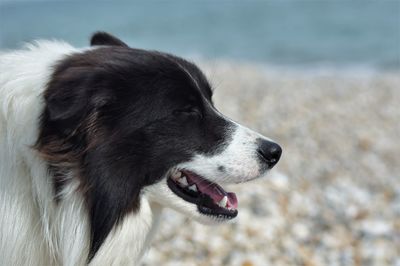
x=95, y=142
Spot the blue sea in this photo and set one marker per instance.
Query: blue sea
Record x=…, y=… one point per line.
x=296, y=33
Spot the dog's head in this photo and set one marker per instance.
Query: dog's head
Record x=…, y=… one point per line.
x=130, y=122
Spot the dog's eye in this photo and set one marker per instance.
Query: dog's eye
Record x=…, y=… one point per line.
x=189, y=112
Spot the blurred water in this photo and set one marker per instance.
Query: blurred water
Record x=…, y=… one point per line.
x=288, y=33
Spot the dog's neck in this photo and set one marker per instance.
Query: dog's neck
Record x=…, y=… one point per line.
x=130, y=239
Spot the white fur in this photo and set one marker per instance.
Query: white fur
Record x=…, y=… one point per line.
x=26, y=205
x=34, y=230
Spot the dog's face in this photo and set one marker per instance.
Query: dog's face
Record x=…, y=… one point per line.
x=131, y=122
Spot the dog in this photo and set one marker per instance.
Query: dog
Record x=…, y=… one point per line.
x=95, y=142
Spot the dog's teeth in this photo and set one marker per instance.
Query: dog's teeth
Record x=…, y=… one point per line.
x=183, y=181
x=223, y=202
x=176, y=175
x=193, y=188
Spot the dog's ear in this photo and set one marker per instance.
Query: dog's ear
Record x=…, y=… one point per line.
x=104, y=38
x=72, y=95
x=67, y=96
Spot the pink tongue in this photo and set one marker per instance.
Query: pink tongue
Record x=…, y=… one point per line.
x=213, y=190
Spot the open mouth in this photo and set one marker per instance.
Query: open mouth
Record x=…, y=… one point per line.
x=210, y=198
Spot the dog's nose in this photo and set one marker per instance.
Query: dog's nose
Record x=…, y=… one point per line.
x=269, y=152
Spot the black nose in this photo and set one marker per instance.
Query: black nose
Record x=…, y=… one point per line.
x=269, y=152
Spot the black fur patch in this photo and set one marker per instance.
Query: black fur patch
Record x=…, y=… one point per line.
x=120, y=118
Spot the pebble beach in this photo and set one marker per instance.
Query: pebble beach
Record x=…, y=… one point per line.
x=333, y=199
